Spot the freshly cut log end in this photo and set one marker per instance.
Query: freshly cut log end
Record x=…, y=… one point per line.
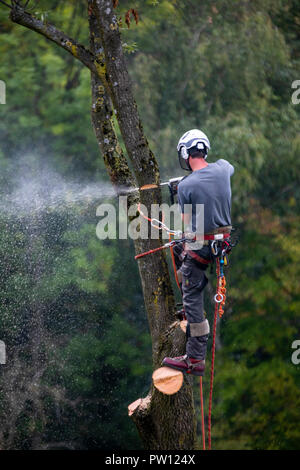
x=167, y=380
x=133, y=406
x=183, y=325
x=140, y=405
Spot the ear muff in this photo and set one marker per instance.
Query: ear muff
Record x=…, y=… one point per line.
x=183, y=153
x=183, y=157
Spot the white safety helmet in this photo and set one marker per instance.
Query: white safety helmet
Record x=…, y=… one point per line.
x=191, y=142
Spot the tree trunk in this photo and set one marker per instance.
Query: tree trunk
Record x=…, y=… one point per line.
x=163, y=422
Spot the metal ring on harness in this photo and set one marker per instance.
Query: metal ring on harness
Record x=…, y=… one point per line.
x=217, y=296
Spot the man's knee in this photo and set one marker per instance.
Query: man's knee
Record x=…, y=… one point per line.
x=198, y=330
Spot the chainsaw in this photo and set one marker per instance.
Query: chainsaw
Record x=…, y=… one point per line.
x=173, y=187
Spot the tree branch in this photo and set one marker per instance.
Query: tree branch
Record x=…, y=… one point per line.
x=96, y=65
x=6, y=4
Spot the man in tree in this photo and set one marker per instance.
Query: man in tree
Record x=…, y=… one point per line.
x=208, y=185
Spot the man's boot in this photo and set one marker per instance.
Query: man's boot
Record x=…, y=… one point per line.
x=185, y=364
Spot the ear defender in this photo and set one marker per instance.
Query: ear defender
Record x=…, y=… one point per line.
x=183, y=153
x=183, y=157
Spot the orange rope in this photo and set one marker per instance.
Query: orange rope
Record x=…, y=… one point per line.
x=148, y=218
x=221, y=292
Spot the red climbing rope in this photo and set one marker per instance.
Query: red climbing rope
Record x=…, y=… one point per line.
x=202, y=414
x=220, y=299
x=152, y=251
x=212, y=375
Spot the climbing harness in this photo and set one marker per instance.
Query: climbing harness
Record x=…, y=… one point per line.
x=160, y=225
x=221, y=245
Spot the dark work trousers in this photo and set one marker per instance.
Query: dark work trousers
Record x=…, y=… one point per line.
x=194, y=281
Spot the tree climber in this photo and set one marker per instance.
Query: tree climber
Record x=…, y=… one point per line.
x=207, y=184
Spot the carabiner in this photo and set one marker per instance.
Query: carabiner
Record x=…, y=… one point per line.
x=214, y=248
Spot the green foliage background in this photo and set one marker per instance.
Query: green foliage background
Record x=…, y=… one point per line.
x=226, y=67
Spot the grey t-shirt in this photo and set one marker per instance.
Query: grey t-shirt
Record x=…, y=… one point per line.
x=209, y=186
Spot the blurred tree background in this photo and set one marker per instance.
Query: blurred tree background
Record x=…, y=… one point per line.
x=226, y=67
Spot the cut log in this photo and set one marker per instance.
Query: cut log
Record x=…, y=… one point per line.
x=140, y=404
x=167, y=380
x=133, y=406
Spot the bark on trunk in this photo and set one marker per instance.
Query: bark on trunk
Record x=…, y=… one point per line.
x=164, y=422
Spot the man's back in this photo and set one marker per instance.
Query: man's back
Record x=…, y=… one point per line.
x=209, y=186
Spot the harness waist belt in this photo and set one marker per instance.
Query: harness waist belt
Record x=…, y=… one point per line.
x=225, y=229
x=217, y=236
x=198, y=258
